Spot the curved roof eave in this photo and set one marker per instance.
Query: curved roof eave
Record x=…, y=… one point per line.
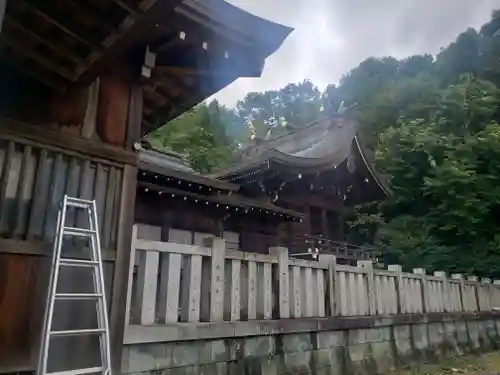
x=265, y=36
x=329, y=161
x=347, y=138
x=381, y=182
x=323, y=143
x=253, y=37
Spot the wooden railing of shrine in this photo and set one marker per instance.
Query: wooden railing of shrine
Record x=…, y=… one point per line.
x=183, y=292
x=309, y=244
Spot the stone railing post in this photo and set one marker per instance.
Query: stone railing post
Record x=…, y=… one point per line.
x=332, y=286
x=460, y=278
x=444, y=302
x=474, y=279
x=283, y=288
x=400, y=291
x=423, y=283
x=486, y=290
x=217, y=270
x=370, y=277
x=494, y=299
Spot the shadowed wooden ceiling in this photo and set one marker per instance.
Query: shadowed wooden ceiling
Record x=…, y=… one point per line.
x=185, y=51
x=65, y=42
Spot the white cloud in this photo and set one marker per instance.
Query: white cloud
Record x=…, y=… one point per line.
x=333, y=36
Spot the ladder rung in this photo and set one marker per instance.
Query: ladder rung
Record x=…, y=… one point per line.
x=77, y=332
x=79, y=231
x=81, y=371
x=74, y=296
x=78, y=200
x=77, y=205
x=78, y=262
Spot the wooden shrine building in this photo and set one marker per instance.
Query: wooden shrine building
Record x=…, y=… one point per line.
x=293, y=191
x=176, y=204
x=80, y=83
x=319, y=170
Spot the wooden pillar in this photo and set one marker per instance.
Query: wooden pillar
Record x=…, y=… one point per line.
x=134, y=128
x=120, y=275
x=113, y=122
x=3, y=5
x=119, y=118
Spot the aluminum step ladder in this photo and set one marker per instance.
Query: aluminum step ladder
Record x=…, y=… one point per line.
x=97, y=295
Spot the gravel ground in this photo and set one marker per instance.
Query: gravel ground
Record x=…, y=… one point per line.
x=486, y=364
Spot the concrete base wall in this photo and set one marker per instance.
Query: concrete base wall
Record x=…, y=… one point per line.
x=366, y=351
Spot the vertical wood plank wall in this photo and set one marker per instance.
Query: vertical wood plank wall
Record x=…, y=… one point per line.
x=33, y=179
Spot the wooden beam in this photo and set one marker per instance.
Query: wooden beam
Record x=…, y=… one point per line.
x=38, y=248
x=39, y=58
x=132, y=30
x=159, y=90
x=192, y=71
x=34, y=135
x=147, y=128
x=42, y=10
x=3, y=5
x=125, y=6
x=175, y=86
x=62, y=51
x=172, y=37
x=88, y=13
x=312, y=200
x=167, y=43
x=18, y=64
x=166, y=96
x=146, y=109
x=194, y=13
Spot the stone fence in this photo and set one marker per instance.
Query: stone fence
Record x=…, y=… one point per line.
x=190, y=306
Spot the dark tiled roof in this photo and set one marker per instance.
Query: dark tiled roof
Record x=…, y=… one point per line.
x=321, y=145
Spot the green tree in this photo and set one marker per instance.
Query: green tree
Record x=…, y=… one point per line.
x=200, y=134
x=445, y=182
x=277, y=111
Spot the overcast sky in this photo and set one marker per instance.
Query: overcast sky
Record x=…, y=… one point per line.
x=333, y=36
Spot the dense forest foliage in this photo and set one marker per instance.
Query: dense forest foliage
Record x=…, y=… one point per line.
x=433, y=124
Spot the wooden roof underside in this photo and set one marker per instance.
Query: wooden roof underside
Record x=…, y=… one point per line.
x=200, y=47
x=66, y=42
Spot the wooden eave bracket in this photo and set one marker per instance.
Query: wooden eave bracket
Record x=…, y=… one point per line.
x=149, y=63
